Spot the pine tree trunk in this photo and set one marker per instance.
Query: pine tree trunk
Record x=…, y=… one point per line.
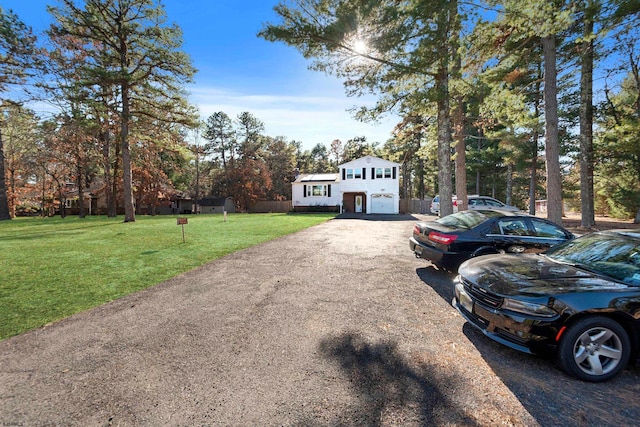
x=108, y=183
x=405, y=181
x=509, y=183
x=533, y=180
x=535, y=135
x=115, y=174
x=80, y=185
x=421, y=183
x=461, y=154
x=444, y=118
x=586, y=124
x=63, y=200
x=4, y=201
x=127, y=172
x=459, y=117
x=552, y=144
x=444, y=145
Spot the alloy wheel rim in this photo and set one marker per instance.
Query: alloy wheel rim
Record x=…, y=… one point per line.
x=597, y=351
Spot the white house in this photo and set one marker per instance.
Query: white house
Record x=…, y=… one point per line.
x=366, y=185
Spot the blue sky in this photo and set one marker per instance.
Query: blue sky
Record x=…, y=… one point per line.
x=240, y=72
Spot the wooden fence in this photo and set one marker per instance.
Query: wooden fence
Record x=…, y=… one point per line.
x=415, y=206
x=271, y=206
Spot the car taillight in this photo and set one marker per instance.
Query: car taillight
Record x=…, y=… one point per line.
x=416, y=230
x=445, y=239
x=455, y=203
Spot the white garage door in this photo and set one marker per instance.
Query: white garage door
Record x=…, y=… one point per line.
x=382, y=203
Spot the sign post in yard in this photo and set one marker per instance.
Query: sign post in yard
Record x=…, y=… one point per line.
x=182, y=222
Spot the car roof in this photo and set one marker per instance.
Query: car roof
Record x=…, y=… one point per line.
x=504, y=212
x=635, y=234
x=488, y=213
x=475, y=196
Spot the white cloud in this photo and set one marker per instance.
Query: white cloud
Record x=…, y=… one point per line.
x=309, y=119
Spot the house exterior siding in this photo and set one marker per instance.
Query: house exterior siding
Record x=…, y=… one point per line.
x=315, y=191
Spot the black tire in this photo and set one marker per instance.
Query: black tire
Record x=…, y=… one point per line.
x=594, y=349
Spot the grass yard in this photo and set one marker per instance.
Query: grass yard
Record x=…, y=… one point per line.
x=53, y=267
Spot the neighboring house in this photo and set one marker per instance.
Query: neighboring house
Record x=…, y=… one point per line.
x=179, y=203
x=173, y=203
x=217, y=205
x=366, y=185
x=183, y=204
x=72, y=203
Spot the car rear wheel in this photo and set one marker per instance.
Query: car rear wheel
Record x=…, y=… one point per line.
x=594, y=349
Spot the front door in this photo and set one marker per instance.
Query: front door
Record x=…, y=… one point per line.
x=358, y=204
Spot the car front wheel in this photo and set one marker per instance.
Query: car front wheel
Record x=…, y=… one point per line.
x=594, y=349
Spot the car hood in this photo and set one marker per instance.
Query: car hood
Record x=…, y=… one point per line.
x=532, y=274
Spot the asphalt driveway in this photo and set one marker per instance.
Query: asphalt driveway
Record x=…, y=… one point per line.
x=335, y=325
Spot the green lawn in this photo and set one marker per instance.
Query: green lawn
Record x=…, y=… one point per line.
x=54, y=267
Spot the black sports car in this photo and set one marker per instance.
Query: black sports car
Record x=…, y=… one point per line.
x=579, y=300
x=450, y=240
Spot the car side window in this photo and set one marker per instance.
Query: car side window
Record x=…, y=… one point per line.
x=544, y=229
x=513, y=227
x=493, y=203
x=493, y=228
x=473, y=202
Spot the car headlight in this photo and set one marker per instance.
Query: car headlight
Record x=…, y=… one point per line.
x=528, y=308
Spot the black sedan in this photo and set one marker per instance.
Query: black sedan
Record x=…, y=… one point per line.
x=579, y=301
x=450, y=240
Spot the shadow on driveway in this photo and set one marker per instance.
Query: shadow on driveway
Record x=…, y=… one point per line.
x=389, y=390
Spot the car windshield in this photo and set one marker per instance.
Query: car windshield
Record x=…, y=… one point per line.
x=491, y=202
x=611, y=254
x=466, y=220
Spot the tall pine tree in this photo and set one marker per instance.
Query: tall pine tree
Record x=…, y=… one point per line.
x=17, y=56
x=131, y=49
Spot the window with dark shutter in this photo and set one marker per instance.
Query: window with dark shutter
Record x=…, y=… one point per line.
x=394, y=172
x=364, y=173
x=373, y=173
x=329, y=190
x=344, y=176
x=304, y=191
